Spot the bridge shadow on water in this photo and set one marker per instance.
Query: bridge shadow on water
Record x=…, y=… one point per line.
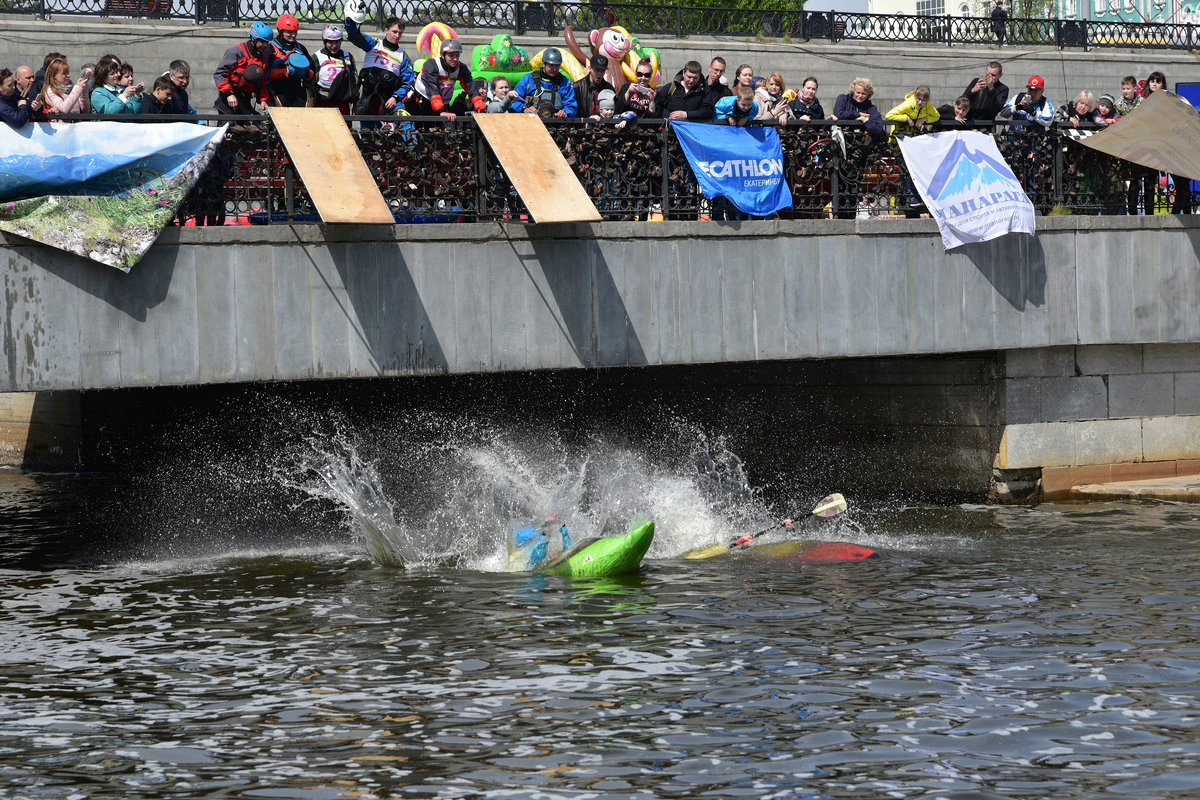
x=1015, y=266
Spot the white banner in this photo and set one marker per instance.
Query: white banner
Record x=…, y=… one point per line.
x=967, y=186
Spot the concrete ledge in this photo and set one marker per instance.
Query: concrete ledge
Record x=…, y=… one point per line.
x=1179, y=489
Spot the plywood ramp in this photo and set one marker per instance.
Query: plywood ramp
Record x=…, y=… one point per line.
x=331, y=165
x=537, y=169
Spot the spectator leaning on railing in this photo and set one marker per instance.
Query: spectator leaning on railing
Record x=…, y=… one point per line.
x=109, y=97
x=14, y=109
x=772, y=103
x=180, y=73
x=687, y=98
x=806, y=108
x=1031, y=105
x=856, y=106
x=915, y=114
x=39, y=79
x=59, y=96
x=588, y=88
x=1080, y=111
x=714, y=84
x=638, y=99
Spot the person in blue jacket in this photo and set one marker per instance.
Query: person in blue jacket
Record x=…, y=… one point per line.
x=529, y=546
x=547, y=92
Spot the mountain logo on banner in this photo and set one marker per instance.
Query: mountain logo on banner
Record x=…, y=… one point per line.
x=967, y=171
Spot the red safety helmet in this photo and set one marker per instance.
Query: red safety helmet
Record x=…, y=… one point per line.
x=288, y=23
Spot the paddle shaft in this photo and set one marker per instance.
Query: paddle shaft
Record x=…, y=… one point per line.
x=750, y=537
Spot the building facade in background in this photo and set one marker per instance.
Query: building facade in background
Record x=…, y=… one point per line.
x=1132, y=11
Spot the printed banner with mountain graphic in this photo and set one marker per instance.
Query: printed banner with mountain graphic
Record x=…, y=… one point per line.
x=967, y=186
x=103, y=190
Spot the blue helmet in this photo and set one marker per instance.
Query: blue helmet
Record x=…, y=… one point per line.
x=261, y=30
x=299, y=61
x=552, y=56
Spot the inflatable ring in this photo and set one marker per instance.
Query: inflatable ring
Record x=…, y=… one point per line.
x=429, y=40
x=629, y=66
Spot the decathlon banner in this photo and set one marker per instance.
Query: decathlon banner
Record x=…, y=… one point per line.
x=103, y=190
x=967, y=186
x=744, y=165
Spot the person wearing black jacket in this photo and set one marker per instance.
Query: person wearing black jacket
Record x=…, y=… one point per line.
x=688, y=98
x=988, y=95
x=588, y=88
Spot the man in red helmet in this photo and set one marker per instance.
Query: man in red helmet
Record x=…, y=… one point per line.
x=433, y=91
x=291, y=65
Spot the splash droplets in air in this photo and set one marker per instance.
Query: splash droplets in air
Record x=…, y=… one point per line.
x=436, y=490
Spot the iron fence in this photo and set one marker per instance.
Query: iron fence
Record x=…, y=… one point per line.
x=429, y=170
x=528, y=16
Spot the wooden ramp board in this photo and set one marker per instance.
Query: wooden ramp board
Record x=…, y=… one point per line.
x=537, y=169
x=331, y=165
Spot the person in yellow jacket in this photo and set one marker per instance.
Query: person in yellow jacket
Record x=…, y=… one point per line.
x=915, y=114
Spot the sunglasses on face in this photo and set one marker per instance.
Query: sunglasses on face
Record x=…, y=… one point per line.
x=643, y=74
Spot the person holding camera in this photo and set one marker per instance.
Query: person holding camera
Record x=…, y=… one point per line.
x=59, y=95
x=1030, y=105
x=110, y=96
x=638, y=99
x=988, y=94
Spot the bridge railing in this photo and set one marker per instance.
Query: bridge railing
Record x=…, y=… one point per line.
x=429, y=170
x=659, y=18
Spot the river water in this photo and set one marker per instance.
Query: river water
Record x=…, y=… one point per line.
x=329, y=622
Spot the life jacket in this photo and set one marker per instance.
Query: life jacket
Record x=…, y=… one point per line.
x=545, y=97
x=236, y=75
x=336, y=79
x=446, y=80
x=384, y=58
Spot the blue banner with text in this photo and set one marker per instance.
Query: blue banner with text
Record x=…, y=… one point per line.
x=744, y=165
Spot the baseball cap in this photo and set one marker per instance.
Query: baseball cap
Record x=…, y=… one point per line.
x=599, y=61
x=1036, y=82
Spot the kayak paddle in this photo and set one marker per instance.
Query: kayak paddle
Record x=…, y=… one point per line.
x=831, y=506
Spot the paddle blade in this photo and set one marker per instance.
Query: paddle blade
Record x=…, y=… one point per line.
x=831, y=506
x=707, y=552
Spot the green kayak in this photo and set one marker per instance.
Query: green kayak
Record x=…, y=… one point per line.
x=601, y=557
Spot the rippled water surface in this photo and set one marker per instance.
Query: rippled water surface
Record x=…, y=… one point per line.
x=1024, y=653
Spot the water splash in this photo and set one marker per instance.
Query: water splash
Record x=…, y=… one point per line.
x=437, y=489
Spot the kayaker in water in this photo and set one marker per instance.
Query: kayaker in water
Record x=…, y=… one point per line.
x=536, y=540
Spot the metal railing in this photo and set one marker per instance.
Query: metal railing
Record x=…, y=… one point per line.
x=524, y=16
x=429, y=170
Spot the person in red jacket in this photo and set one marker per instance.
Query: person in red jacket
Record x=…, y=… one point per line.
x=291, y=65
x=433, y=91
x=243, y=76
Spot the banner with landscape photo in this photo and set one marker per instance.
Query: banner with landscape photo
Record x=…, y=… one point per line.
x=103, y=190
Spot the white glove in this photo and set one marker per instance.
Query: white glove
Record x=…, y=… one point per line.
x=356, y=10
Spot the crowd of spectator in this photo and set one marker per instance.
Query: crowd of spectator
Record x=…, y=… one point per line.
x=272, y=67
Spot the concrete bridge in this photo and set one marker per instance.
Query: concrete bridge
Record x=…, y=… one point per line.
x=1021, y=364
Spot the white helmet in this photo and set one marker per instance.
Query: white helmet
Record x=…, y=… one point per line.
x=332, y=33
x=356, y=10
